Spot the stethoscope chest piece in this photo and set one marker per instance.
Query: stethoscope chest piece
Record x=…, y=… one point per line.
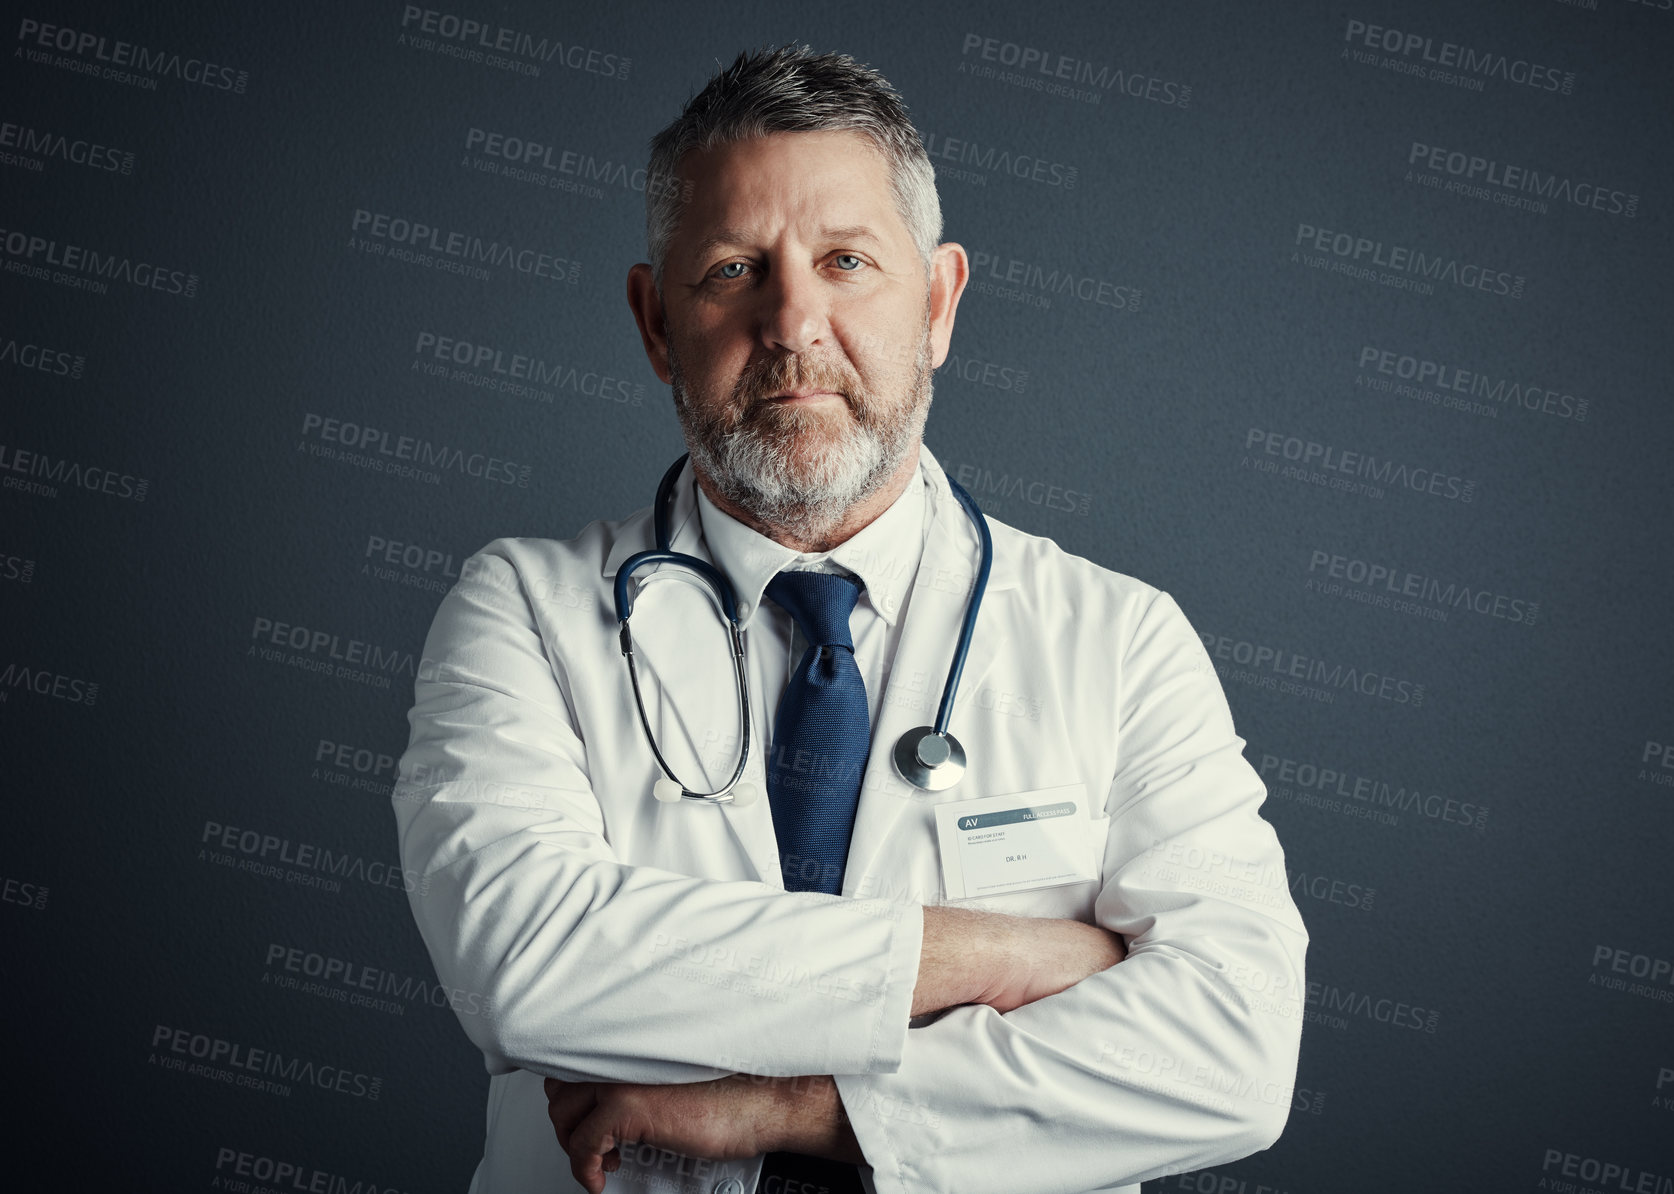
x=928, y=760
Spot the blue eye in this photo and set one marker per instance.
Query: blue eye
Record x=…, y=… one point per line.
x=849, y=257
x=729, y=265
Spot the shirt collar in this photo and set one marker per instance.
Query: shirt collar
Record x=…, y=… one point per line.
x=884, y=554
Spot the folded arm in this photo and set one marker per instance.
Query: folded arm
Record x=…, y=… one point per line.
x=575, y=965
x=968, y=957
x=1182, y=1056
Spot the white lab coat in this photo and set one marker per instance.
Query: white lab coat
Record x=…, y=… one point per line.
x=591, y=933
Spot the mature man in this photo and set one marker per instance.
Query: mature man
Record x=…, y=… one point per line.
x=797, y=995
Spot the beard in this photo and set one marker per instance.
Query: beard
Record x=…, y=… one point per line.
x=803, y=468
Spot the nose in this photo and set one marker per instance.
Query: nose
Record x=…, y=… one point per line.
x=794, y=315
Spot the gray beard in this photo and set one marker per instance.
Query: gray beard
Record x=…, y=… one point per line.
x=751, y=462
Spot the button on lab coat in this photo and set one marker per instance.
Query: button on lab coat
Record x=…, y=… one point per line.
x=609, y=937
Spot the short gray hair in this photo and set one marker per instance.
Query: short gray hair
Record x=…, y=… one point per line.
x=793, y=90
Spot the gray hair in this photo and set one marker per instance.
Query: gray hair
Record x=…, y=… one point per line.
x=793, y=90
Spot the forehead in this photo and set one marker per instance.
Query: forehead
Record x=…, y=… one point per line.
x=787, y=184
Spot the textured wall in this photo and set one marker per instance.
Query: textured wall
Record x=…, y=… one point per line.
x=1347, y=325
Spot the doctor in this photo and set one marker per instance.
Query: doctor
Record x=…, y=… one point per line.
x=835, y=985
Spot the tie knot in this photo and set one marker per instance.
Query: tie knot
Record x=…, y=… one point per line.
x=820, y=602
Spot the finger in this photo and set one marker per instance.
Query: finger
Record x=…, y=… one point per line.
x=592, y=1144
x=567, y=1104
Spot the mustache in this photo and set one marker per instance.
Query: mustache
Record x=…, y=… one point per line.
x=776, y=375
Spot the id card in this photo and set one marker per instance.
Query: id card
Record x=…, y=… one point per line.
x=1000, y=844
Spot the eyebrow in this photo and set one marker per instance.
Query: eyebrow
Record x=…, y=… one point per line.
x=738, y=236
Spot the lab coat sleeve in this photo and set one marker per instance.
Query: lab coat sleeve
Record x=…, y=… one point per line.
x=1181, y=1056
x=563, y=960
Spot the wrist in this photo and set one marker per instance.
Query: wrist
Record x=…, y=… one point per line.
x=998, y=952
x=808, y=1118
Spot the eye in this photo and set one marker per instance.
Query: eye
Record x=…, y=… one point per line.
x=842, y=257
x=739, y=265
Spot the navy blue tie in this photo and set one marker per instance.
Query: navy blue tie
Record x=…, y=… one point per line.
x=821, y=736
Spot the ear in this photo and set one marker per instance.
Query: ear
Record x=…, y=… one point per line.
x=949, y=271
x=647, y=307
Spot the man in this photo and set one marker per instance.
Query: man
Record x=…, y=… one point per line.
x=789, y=995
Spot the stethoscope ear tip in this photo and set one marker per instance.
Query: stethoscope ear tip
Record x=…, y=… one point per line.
x=667, y=791
x=744, y=795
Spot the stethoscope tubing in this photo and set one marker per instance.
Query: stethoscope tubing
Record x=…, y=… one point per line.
x=663, y=553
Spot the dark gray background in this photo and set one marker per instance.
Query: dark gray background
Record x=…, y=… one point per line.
x=1554, y=728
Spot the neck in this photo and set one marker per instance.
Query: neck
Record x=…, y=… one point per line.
x=855, y=519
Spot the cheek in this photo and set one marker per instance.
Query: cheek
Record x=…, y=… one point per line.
x=891, y=365
x=703, y=360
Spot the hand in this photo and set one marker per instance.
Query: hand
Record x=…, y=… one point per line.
x=726, y=1119
x=1049, y=955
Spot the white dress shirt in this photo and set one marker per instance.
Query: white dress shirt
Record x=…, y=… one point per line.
x=883, y=556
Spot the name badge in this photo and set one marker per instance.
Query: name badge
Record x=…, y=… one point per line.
x=1000, y=844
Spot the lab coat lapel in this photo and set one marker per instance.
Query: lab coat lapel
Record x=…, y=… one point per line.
x=913, y=692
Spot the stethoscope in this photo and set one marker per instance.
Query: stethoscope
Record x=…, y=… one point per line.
x=927, y=757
